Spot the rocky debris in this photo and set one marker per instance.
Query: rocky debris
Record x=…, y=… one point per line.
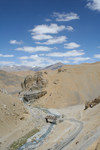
x=77, y=142
x=98, y=145
x=63, y=115
x=50, y=94
x=45, y=72
x=60, y=121
x=21, y=118
x=5, y=106
x=4, y=91
x=13, y=104
x=92, y=103
x=61, y=70
x=29, y=104
x=30, y=96
x=56, y=81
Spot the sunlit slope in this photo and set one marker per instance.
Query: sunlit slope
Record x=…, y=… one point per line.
x=73, y=85
x=9, y=81
x=23, y=73
x=12, y=114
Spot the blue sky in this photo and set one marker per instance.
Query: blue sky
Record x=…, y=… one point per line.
x=44, y=32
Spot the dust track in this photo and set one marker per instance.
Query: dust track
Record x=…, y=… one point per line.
x=67, y=141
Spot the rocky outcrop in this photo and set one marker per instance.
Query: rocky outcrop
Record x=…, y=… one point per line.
x=34, y=82
x=33, y=86
x=92, y=103
x=61, y=70
x=27, y=97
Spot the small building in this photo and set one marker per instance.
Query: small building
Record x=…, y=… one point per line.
x=51, y=119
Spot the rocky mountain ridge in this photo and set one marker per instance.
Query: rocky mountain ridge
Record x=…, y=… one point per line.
x=15, y=68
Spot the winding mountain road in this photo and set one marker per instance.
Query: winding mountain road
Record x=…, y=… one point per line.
x=68, y=140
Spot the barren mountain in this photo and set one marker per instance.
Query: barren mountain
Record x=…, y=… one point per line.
x=9, y=81
x=19, y=68
x=13, y=115
x=66, y=89
x=54, y=66
x=23, y=73
x=15, y=68
x=71, y=85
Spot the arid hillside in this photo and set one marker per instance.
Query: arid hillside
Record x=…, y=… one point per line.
x=10, y=82
x=66, y=86
x=23, y=73
x=11, y=111
x=13, y=115
x=71, y=85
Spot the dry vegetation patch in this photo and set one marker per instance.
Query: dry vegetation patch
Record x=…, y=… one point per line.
x=17, y=144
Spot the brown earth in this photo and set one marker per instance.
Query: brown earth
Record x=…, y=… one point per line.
x=91, y=124
x=16, y=120
x=10, y=82
x=23, y=73
x=72, y=85
x=95, y=145
x=13, y=115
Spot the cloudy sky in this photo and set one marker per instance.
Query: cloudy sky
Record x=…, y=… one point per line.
x=44, y=32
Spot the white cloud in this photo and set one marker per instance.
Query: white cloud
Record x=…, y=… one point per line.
x=45, y=29
x=77, y=59
x=42, y=37
x=6, y=55
x=39, y=61
x=71, y=45
x=41, y=32
x=65, y=17
x=66, y=54
x=23, y=57
x=51, y=61
x=55, y=40
x=28, y=57
x=98, y=47
x=69, y=28
x=33, y=49
x=41, y=54
x=93, y=4
x=47, y=20
x=6, y=62
x=15, y=42
x=96, y=56
x=32, y=63
x=36, y=60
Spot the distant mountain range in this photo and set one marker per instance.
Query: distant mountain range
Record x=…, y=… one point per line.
x=15, y=68
x=54, y=66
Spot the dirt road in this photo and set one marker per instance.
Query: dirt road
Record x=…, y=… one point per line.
x=68, y=140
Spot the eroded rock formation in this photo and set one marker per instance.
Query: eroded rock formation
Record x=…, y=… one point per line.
x=33, y=87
